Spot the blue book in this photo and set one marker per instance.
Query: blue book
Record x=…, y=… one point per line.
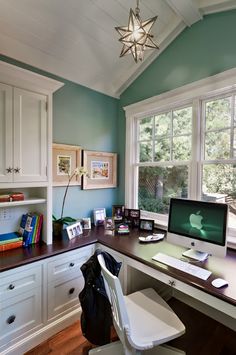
x=9, y=237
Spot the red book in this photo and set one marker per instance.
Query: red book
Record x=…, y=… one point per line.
x=12, y=245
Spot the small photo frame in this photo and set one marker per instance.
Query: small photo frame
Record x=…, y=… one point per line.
x=146, y=225
x=86, y=223
x=99, y=215
x=118, y=212
x=109, y=223
x=132, y=217
x=74, y=230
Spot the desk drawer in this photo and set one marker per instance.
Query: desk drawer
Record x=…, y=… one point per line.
x=20, y=314
x=68, y=265
x=20, y=280
x=63, y=295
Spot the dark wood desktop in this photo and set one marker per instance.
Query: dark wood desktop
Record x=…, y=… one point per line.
x=130, y=246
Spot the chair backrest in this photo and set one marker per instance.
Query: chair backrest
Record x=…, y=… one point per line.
x=118, y=306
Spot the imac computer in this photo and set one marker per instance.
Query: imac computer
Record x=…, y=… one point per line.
x=200, y=226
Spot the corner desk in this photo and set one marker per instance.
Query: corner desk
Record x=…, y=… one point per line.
x=52, y=274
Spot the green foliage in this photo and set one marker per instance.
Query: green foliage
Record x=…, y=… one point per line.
x=64, y=220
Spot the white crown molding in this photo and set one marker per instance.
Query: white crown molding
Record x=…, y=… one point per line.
x=211, y=85
x=209, y=7
x=13, y=75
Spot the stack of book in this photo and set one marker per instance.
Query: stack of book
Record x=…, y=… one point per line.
x=30, y=228
x=10, y=241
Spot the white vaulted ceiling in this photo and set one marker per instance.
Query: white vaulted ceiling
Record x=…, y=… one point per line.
x=76, y=40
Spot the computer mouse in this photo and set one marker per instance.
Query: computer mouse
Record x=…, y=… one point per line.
x=219, y=283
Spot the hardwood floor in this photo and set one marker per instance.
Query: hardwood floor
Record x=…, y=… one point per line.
x=203, y=336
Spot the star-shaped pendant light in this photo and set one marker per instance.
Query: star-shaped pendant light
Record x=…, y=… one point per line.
x=136, y=37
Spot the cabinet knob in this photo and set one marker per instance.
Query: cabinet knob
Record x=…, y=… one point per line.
x=17, y=170
x=71, y=264
x=72, y=290
x=11, y=319
x=9, y=170
x=11, y=287
x=172, y=283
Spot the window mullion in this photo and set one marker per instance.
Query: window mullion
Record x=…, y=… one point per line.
x=194, y=173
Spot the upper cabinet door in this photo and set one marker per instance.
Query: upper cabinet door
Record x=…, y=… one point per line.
x=30, y=136
x=6, y=162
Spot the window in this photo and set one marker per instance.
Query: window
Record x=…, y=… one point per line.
x=183, y=144
x=164, y=144
x=219, y=152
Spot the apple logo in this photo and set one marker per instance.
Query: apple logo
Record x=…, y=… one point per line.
x=195, y=220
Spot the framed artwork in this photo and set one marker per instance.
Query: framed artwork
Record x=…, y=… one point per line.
x=118, y=212
x=86, y=223
x=102, y=170
x=146, y=225
x=65, y=159
x=74, y=230
x=99, y=215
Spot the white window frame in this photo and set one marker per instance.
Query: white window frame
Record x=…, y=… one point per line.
x=190, y=94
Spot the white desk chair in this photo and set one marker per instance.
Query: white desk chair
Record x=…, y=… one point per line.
x=142, y=320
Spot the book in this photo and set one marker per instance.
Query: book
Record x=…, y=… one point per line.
x=30, y=228
x=12, y=245
x=9, y=237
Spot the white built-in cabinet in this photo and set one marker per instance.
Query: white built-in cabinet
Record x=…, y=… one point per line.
x=40, y=299
x=24, y=135
x=25, y=145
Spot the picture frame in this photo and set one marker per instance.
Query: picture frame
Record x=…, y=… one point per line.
x=74, y=230
x=86, y=223
x=65, y=158
x=118, y=212
x=99, y=215
x=109, y=223
x=102, y=170
x=146, y=225
x=132, y=217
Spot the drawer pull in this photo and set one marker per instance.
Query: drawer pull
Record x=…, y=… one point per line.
x=72, y=290
x=72, y=264
x=11, y=319
x=11, y=287
x=172, y=283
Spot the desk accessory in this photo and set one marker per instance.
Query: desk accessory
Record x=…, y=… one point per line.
x=151, y=238
x=218, y=283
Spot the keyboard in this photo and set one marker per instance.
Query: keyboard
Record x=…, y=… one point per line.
x=182, y=265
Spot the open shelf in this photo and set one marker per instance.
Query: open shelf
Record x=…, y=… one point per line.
x=28, y=201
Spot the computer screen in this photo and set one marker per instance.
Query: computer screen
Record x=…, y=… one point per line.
x=199, y=225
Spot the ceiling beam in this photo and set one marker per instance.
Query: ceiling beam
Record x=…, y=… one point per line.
x=186, y=9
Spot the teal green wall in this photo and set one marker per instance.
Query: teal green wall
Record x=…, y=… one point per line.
x=205, y=49
x=87, y=118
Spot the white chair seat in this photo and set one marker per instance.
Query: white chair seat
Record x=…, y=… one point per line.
x=151, y=319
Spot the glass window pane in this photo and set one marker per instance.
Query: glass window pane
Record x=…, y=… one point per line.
x=162, y=150
x=145, y=151
x=218, y=113
x=217, y=145
x=219, y=185
x=158, y=184
x=162, y=124
x=182, y=148
x=182, y=121
x=145, y=128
